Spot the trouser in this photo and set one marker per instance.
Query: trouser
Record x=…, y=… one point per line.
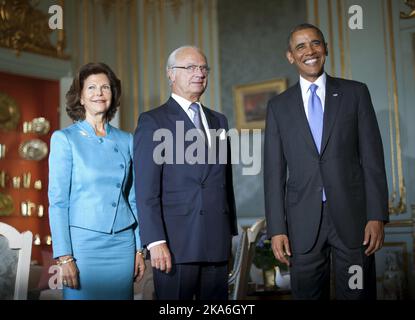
x=354, y=272
x=200, y=281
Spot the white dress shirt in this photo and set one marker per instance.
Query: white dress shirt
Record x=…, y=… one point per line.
x=305, y=90
x=185, y=104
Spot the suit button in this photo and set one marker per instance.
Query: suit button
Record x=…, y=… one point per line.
x=122, y=166
x=203, y=186
x=118, y=185
x=100, y=140
x=114, y=204
x=115, y=149
x=201, y=212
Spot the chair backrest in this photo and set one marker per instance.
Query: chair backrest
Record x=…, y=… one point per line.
x=245, y=251
x=237, y=277
x=254, y=230
x=15, y=256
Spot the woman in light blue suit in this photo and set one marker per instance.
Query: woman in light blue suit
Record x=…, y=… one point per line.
x=92, y=210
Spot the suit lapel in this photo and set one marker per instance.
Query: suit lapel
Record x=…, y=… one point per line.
x=176, y=113
x=301, y=118
x=331, y=108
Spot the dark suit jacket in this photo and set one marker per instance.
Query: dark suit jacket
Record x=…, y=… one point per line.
x=350, y=166
x=191, y=206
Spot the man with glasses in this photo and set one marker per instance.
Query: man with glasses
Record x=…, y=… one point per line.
x=186, y=209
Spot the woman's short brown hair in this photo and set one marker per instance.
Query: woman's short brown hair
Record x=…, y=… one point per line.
x=73, y=105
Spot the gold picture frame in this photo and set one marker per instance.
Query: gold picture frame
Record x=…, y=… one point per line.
x=251, y=102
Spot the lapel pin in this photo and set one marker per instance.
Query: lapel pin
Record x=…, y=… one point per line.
x=335, y=94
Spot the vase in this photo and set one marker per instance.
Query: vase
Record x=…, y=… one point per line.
x=282, y=279
x=269, y=278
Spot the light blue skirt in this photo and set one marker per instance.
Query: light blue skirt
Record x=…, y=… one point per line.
x=106, y=265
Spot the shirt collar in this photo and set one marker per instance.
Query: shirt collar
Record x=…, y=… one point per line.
x=320, y=82
x=184, y=103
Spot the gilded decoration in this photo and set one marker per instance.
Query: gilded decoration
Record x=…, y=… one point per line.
x=25, y=28
x=411, y=13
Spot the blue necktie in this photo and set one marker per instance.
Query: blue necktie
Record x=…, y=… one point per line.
x=197, y=119
x=315, y=119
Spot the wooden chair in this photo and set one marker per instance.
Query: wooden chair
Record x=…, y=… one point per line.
x=15, y=253
x=254, y=230
x=245, y=251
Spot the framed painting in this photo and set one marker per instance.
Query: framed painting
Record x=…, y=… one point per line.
x=251, y=102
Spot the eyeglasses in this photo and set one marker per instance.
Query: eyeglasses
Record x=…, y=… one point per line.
x=192, y=69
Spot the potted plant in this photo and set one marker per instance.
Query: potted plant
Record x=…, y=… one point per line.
x=264, y=259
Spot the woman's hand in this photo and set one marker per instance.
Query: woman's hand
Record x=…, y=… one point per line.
x=139, y=266
x=69, y=272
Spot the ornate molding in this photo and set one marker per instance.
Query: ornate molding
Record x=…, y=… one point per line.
x=400, y=207
x=411, y=14
x=397, y=201
x=25, y=28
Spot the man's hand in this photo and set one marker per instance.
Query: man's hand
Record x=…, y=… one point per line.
x=281, y=248
x=160, y=257
x=374, y=236
x=139, y=266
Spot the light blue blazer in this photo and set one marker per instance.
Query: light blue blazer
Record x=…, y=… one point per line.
x=91, y=183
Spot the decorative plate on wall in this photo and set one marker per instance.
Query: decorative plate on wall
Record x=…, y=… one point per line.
x=34, y=149
x=40, y=125
x=9, y=112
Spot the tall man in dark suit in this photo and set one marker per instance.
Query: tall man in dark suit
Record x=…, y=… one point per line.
x=186, y=210
x=325, y=186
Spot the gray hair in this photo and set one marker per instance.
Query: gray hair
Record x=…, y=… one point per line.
x=171, y=60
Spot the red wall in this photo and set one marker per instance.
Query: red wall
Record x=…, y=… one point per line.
x=35, y=98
